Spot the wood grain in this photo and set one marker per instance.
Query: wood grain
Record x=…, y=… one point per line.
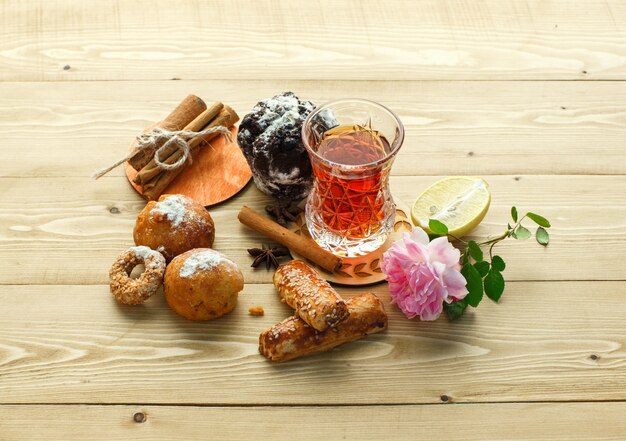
x=452, y=128
x=545, y=341
x=69, y=230
x=481, y=422
x=330, y=40
x=79, y=79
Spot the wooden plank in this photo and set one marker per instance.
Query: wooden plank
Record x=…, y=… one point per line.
x=545, y=341
x=452, y=128
x=537, y=39
x=62, y=231
x=514, y=422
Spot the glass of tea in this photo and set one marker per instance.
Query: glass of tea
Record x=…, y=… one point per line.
x=352, y=144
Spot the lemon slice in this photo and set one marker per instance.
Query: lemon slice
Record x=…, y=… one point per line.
x=459, y=202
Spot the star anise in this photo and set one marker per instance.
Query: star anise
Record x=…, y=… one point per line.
x=284, y=212
x=269, y=255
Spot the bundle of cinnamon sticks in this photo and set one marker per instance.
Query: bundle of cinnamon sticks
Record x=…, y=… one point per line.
x=192, y=114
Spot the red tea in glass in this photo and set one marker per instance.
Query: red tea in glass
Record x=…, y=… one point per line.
x=350, y=210
x=351, y=205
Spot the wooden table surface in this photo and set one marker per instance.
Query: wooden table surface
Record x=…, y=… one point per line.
x=528, y=94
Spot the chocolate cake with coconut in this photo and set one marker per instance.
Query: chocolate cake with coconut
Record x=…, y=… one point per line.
x=270, y=139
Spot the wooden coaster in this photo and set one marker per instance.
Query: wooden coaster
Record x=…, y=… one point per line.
x=362, y=270
x=218, y=172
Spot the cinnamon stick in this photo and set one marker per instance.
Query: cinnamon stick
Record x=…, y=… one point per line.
x=226, y=118
x=302, y=245
x=157, y=185
x=183, y=114
x=151, y=169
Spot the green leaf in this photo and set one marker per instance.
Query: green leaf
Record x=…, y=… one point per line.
x=539, y=220
x=494, y=285
x=455, y=310
x=521, y=233
x=432, y=236
x=482, y=268
x=474, y=285
x=437, y=227
x=475, y=251
x=464, y=259
x=514, y=214
x=542, y=236
x=497, y=263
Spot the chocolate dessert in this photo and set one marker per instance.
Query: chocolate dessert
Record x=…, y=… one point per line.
x=270, y=138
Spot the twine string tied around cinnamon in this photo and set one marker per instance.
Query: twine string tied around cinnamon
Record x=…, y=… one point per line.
x=162, y=139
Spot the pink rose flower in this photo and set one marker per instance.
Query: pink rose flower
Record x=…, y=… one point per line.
x=422, y=274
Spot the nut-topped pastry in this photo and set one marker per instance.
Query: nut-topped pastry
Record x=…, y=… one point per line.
x=314, y=300
x=174, y=225
x=293, y=338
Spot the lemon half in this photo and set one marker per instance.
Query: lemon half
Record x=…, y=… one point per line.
x=459, y=202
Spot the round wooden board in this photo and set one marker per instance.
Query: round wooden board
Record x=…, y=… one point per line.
x=218, y=172
x=362, y=270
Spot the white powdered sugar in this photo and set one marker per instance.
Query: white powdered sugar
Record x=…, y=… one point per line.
x=265, y=185
x=202, y=260
x=326, y=117
x=273, y=103
x=290, y=113
x=142, y=251
x=276, y=121
x=286, y=178
x=175, y=208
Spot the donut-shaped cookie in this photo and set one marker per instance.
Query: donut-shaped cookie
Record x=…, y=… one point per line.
x=130, y=291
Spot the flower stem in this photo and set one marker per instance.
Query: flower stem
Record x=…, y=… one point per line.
x=507, y=233
x=457, y=238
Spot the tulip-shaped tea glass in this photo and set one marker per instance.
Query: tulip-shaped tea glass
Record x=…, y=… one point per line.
x=352, y=144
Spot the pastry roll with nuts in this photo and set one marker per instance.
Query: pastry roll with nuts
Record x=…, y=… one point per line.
x=293, y=338
x=314, y=300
